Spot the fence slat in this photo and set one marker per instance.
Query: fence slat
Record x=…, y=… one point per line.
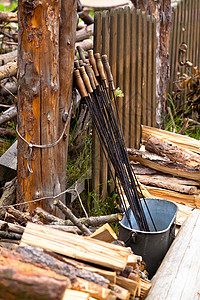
x=149, y=69
x=144, y=68
x=133, y=78
x=153, y=110
x=126, y=80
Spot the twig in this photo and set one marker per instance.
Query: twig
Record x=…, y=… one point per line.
x=79, y=198
x=172, y=119
x=71, y=216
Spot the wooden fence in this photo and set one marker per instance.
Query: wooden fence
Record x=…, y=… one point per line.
x=185, y=30
x=128, y=37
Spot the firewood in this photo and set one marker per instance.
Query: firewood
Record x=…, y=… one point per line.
x=83, y=248
x=75, y=295
x=10, y=235
x=85, y=45
x=128, y=284
x=168, y=182
x=46, y=216
x=21, y=280
x=104, y=233
x=132, y=261
x=5, y=226
x=86, y=17
x=68, y=213
x=84, y=33
x=173, y=152
x=8, y=115
x=120, y=292
x=21, y=217
x=145, y=287
x=142, y=170
x=6, y=16
x=163, y=164
x=7, y=132
x=8, y=57
x=95, y=221
x=180, y=140
x=8, y=70
x=70, y=229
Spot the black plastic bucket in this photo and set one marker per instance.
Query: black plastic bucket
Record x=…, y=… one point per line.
x=153, y=245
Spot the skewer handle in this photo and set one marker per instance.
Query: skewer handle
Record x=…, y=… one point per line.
x=80, y=84
x=76, y=64
x=89, y=74
x=108, y=71
x=93, y=62
x=100, y=66
x=86, y=80
x=81, y=54
x=93, y=75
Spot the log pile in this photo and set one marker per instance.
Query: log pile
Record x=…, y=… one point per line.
x=54, y=264
x=169, y=167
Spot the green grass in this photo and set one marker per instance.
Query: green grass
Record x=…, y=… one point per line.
x=8, y=8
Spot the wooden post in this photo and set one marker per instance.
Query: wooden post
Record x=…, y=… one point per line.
x=40, y=121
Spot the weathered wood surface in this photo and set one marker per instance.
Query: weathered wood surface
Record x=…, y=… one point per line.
x=84, y=248
x=8, y=57
x=168, y=182
x=183, y=141
x=164, y=165
x=8, y=70
x=9, y=193
x=8, y=115
x=178, y=276
x=173, y=152
x=7, y=16
x=104, y=233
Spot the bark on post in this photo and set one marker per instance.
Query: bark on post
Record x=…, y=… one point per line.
x=161, y=10
x=42, y=97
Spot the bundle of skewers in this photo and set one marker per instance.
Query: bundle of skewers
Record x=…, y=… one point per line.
x=94, y=82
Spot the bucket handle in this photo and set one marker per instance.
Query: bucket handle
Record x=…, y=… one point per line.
x=132, y=238
x=172, y=230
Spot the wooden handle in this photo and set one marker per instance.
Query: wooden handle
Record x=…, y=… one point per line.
x=80, y=84
x=100, y=66
x=93, y=62
x=108, y=71
x=81, y=54
x=86, y=80
x=90, y=75
x=76, y=64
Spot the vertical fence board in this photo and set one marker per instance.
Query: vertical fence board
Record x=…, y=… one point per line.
x=133, y=79
x=120, y=59
x=195, y=32
x=198, y=36
x=149, y=69
x=153, y=105
x=144, y=68
x=139, y=78
x=103, y=161
x=95, y=140
x=127, y=36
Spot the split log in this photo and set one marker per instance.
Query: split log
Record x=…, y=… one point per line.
x=75, y=295
x=162, y=164
x=145, y=287
x=6, y=16
x=183, y=141
x=142, y=170
x=84, y=33
x=80, y=247
x=173, y=152
x=85, y=45
x=19, y=280
x=8, y=57
x=8, y=88
x=7, y=132
x=183, y=213
x=178, y=274
x=120, y=292
x=70, y=229
x=189, y=200
x=86, y=17
x=67, y=212
x=19, y=216
x=104, y=233
x=8, y=115
x=5, y=226
x=45, y=216
x=96, y=221
x=128, y=284
x=8, y=70
x=10, y=235
x=9, y=193
x=167, y=182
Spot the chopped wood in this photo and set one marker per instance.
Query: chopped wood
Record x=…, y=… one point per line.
x=179, y=273
x=10, y=235
x=8, y=57
x=68, y=213
x=7, y=16
x=46, y=216
x=183, y=213
x=83, y=248
x=8, y=70
x=163, y=164
x=22, y=218
x=75, y=295
x=142, y=170
x=183, y=141
x=190, y=200
x=71, y=229
x=173, y=152
x=120, y=292
x=145, y=287
x=7, y=132
x=128, y=284
x=86, y=44
x=21, y=280
x=8, y=115
x=9, y=193
x=84, y=33
x=86, y=17
x=168, y=182
x=9, y=227
x=132, y=261
x=96, y=221
x=104, y=233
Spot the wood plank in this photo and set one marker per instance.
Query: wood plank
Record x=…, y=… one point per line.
x=178, y=275
x=154, y=39
x=83, y=248
x=128, y=284
x=127, y=39
x=149, y=70
x=75, y=295
x=144, y=68
x=104, y=233
x=132, y=116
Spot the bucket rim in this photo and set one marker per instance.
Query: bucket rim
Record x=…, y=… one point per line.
x=151, y=232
